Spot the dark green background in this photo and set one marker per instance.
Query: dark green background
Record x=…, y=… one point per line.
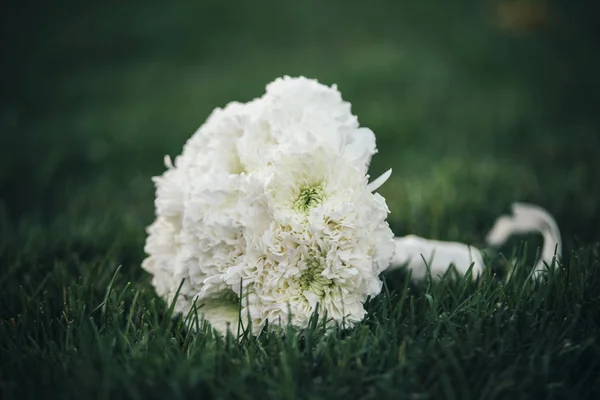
x=471, y=116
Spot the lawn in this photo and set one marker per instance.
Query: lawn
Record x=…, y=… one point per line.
x=473, y=109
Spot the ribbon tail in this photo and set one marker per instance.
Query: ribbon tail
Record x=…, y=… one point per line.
x=419, y=254
x=529, y=218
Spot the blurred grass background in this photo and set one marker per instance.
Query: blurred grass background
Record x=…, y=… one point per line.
x=475, y=105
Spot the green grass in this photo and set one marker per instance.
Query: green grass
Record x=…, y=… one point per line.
x=470, y=117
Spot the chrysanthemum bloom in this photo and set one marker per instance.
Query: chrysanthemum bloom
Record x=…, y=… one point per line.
x=326, y=244
x=270, y=201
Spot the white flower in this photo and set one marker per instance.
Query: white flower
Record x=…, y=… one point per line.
x=269, y=207
x=161, y=244
x=304, y=184
x=300, y=113
x=213, y=147
x=222, y=313
x=332, y=274
x=327, y=243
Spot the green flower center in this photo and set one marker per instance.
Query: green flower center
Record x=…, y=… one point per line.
x=311, y=278
x=308, y=198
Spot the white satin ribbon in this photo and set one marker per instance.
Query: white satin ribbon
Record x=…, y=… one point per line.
x=418, y=254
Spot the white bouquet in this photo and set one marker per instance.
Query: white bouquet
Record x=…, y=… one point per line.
x=268, y=215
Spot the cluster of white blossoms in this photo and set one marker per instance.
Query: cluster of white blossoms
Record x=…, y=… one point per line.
x=268, y=214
